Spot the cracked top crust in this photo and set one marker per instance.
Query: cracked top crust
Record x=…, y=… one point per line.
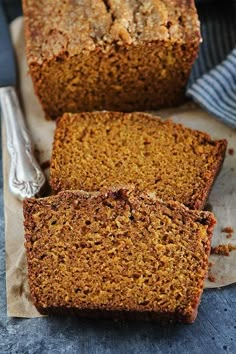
x=71, y=27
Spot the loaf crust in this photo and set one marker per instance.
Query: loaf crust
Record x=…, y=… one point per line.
x=116, y=253
x=104, y=149
x=104, y=54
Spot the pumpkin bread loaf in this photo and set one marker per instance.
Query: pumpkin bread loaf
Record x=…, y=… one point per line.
x=108, y=54
x=106, y=149
x=116, y=253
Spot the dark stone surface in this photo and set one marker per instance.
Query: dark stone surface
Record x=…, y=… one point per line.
x=12, y=8
x=213, y=332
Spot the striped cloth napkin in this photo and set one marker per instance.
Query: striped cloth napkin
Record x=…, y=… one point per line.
x=212, y=83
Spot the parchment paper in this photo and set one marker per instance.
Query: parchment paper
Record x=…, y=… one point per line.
x=222, y=198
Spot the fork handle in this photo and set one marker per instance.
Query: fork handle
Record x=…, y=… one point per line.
x=25, y=176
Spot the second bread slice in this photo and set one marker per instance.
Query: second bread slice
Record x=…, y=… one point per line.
x=106, y=149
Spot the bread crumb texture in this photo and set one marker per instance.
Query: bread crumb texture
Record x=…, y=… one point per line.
x=116, y=252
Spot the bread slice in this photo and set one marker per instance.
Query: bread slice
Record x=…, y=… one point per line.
x=116, y=253
x=106, y=149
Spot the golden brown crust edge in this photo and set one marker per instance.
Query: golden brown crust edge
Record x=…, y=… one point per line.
x=201, y=201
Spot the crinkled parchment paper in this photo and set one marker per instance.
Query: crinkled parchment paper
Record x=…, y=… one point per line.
x=222, y=198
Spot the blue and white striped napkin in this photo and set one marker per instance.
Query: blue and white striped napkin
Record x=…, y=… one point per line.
x=212, y=83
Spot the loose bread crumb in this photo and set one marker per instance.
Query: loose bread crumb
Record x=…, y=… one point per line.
x=211, y=278
x=223, y=250
x=228, y=229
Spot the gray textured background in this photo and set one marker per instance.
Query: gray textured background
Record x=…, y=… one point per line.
x=213, y=332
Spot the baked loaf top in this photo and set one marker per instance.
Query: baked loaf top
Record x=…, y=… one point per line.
x=55, y=28
x=106, y=149
x=116, y=251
